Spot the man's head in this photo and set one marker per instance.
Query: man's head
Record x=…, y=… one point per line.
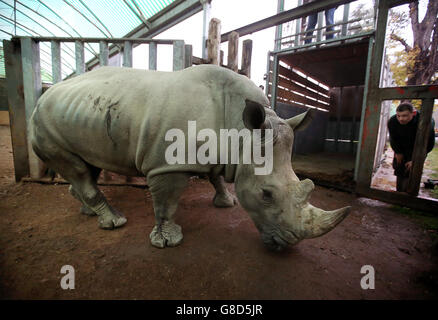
x=405, y=113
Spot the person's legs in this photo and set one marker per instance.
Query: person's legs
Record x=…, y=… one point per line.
x=401, y=174
x=329, y=20
x=311, y=23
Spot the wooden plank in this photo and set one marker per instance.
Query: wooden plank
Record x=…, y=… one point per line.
x=345, y=19
x=153, y=56
x=290, y=96
x=98, y=40
x=178, y=55
x=296, y=77
x=198, y=61
x=399, y=198
x=56, y=62
x=80, y=57
x=296, y=87
x=275, y=69
x=338, y=118
x=213, y=42
x=127, y=54
x=233, y=51
x=188, y=56
x=17, y=109
x=246, y=57
x=32, y=85
x=421, y=140
x=103, y=53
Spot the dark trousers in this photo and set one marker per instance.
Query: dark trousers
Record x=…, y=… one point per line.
x=402, y=175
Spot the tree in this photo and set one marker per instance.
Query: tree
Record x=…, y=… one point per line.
x=416, y=64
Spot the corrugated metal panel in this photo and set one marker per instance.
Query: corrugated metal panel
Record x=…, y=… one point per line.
x=66, y=18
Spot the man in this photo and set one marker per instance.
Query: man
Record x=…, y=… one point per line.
x=313, y=19
x=402, y=131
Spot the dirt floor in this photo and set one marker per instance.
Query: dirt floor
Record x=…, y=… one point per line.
x=221, y=257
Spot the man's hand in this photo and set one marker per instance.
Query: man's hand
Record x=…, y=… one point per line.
x=399, y=158
x=408, y=165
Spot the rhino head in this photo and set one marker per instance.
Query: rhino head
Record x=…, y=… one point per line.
x=278, y=202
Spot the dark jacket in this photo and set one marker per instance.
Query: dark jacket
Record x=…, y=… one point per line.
x=402, y=137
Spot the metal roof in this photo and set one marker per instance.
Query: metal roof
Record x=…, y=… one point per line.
x=72, y=18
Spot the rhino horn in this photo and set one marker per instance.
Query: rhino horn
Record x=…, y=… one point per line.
x=316, y=222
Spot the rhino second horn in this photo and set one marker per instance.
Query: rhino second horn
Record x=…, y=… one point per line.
x=317, y=222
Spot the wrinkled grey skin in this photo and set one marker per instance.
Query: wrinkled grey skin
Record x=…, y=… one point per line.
x=116, y=119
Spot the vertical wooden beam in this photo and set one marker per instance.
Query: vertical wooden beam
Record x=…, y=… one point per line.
x=127, y=54
x=30, y=55
x=221, y=60
x=214, y=41
x=353, y=122
x=338, y=118
x=421, y=139
x=153, y=56
x=178, y=55
x=188, y=56
x=80, y=57
x=233, y=51
x=279, y=28
x=17, y=110
x=56, y=62
x=246, y=57
x=268, y=73
x=103, y=53
x=371, y=112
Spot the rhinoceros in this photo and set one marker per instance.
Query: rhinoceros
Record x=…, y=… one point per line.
x=116, y=119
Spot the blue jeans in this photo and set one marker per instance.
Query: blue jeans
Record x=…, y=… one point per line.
x=313, y=19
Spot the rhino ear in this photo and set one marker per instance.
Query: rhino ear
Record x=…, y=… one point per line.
x=301, y=121
x=253, y=115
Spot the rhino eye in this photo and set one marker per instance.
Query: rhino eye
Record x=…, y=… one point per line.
x=267, y=195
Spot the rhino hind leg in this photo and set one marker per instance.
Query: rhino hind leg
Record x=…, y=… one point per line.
x=82, y=177
x=223, y=198
x=166, y=190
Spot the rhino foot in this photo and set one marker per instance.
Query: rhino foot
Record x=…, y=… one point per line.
x=166, y=234
x=111, y=220
x=224, y=200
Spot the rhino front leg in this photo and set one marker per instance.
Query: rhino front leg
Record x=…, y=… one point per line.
x=223, y=197
x=166, y=190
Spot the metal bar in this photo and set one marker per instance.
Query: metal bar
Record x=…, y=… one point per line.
x=285, y=16
x=153, y=56
x=420, y=147
x=297, y=27
x=320, y=26
x=338, y=119
x=32, y=86
x=345, y=19
x=279, y=28
x=206, y=7
x=274, y=83
x=353, y=122
x=56, y=62
x=127, y=54
x=178, y=55
x=171, y=15
x=80, y=57
x=142, y=17
x=364, y=103
x=188, y=56
x=103, y=55
x=268, y=73
x=287, y=51
x=94, y=15
x=17, y=110
x=373, y=105
x=97, y=40
x=139, y=16
x=54, y=12
x=85, y=17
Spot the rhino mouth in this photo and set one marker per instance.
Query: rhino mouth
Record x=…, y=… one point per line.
x=278, y=241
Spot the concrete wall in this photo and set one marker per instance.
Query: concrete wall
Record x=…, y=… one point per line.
x=310, y=140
